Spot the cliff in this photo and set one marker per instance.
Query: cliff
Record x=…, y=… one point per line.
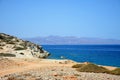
x=11, y=46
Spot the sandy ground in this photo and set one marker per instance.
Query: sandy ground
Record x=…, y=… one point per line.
x=48, y=69
x=15, y=65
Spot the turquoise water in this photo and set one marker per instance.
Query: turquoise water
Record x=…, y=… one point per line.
x=99, y=54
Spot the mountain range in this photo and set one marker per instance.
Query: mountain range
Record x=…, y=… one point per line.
x=71, y=40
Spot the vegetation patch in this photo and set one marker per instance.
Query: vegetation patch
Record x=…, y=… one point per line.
x=11, y=78
x=7, y=55
x=20, y=48
x=1, y=48
x=22, y=44
x=27, y=74
x=14, y=78
x=78, y=65
x=90, y=67
x=22, y=53
x=116, y=71
x=10, y=42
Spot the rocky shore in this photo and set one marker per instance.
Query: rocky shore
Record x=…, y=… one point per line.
x=11, y=46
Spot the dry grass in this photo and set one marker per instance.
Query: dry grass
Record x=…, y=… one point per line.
x=14, y=78
x=116, y=71
x=77, y=65
x=90, y=67
x=7, y=55
x=20, y=48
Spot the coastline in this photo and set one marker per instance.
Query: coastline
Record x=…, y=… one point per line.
x=98, y=54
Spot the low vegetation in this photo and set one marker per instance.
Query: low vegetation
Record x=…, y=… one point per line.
x=14, y=78
x=22, y=53
x=10, y=42
x=7, y=55
x=92, y=68
x=1, y=47
x=95, y=68
x=20, y=48
x=77, y=65
x=116, y=71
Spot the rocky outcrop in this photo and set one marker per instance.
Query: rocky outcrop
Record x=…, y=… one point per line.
x=11, y=46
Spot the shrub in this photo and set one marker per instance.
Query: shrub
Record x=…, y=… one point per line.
x=7, y=55
x=11, y=78
x=10, y=42
x=1, y=37
x=14, y=78
x=6, y=40
x=77, y=65
x=1, y=48
x=20, y=48
x=22, y=53
x=90, y=68
x=94, y=68
x=116, y=71
x=27, y=74
x=22, y=44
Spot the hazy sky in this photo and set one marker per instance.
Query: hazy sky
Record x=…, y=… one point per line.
x=82, y=18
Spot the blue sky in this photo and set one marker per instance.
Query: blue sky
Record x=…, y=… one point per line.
x=81, y=18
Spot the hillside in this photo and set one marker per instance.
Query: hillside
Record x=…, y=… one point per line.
x=11, y=46
x=26, y=65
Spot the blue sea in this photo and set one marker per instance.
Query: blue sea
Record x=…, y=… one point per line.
x=98, y=54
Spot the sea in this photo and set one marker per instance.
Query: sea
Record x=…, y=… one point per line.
x=99, y=54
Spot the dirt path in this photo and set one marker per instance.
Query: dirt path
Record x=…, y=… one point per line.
x=19, y=69
x=30, y=66
x=35, y=64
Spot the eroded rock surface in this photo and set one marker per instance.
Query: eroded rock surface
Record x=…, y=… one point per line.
x=11, y=46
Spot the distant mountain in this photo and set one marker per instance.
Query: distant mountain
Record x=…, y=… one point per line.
x=71, y=40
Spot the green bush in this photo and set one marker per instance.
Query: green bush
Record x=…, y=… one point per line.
x=7, y=55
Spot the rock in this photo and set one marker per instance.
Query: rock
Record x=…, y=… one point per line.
x=55, y=74
x=70, y=78
x=11, y=46
x=62, y=57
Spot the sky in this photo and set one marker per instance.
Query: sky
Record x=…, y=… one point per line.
x=81, y=18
